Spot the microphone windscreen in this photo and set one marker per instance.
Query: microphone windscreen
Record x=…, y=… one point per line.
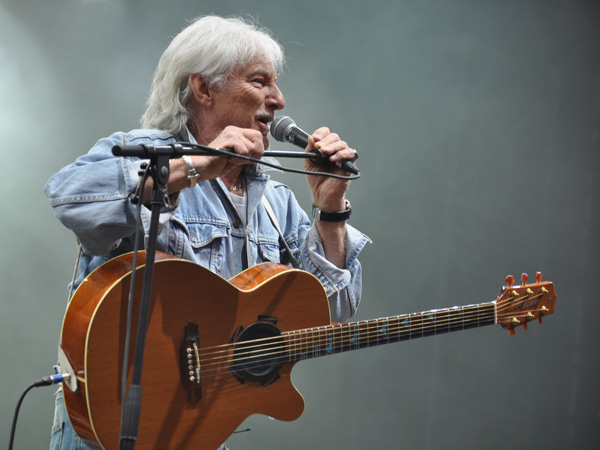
x=280, y=127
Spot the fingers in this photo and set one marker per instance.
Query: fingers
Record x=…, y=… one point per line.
x=332, y=145
x=243, y=141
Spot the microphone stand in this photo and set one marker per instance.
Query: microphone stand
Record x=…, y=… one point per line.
x=159, y=170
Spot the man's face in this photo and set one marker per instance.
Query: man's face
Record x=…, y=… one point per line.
x=249, y=99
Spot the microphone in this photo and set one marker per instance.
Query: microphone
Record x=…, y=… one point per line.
x=284, y=129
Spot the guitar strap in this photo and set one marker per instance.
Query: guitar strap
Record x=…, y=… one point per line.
x=271, y=214
x=75, y=269
x=63, y=364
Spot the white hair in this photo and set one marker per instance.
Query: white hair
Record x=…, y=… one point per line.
x=212, y=47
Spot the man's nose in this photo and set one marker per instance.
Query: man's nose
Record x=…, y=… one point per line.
x=276, y=100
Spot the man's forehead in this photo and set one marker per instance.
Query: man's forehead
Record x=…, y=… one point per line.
x=260, y=67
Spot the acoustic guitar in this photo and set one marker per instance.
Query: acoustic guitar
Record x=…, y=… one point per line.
x=218, y=351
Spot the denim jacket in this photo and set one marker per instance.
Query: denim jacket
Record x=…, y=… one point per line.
x=92, y=197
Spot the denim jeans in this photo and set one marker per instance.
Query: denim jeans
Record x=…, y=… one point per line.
x=63, y=434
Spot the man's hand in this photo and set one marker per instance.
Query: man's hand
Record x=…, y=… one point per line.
x=243, y=141
x=328, y=193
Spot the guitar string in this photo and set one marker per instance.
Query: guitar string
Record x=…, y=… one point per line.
x=378, y=322
x=263, y=342
x=342, y=332
x=315, y=348
x=332, y=336
x=276, y=357
x=455, y=310
x=268, y=359
x=349, y=329
x=226, y=369
x=459, y=311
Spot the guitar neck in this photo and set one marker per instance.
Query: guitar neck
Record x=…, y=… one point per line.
x=343, y=337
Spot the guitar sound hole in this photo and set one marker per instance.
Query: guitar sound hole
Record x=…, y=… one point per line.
x=258, y=353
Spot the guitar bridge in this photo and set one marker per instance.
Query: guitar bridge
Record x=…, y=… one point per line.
x=189, y=360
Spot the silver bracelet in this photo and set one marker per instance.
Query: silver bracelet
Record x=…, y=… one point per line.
x=193, y=176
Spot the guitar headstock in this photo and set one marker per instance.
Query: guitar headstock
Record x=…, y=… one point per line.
x=519, y=305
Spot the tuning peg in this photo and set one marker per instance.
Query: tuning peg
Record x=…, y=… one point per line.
x=528, y=317
x=543, y=310
x=529, y=291
x=510, y=280
x=524, y=279
x=511, y=331
x=538, y=277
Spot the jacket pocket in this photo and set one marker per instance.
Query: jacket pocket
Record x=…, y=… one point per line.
x=205, y=241
x=204, y=233
x=271, y=249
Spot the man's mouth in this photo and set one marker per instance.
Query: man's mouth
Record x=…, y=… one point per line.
x=263, y=123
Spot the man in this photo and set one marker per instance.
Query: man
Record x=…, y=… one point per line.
x=214, y=85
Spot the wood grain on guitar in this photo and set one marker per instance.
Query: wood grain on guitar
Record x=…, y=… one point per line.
x=218, y=351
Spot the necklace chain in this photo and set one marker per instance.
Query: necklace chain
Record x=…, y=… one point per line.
x=235, y=187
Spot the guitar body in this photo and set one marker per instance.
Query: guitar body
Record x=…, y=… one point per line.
x=93, y=337
x=219, y=351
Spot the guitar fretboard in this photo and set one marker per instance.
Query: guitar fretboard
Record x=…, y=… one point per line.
x=337, y=338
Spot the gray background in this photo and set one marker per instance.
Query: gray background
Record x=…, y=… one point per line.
x=478, y=126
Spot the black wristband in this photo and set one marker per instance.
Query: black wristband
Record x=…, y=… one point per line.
x=329, y=216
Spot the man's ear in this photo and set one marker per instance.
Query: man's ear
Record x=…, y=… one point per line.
x=202, y=93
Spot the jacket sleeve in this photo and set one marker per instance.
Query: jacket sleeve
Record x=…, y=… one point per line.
x=92, y=197
x=343, y=286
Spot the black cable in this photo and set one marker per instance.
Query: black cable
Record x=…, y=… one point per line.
x=46, y=381
x=139, y=195
x=14, y=424
x=132, y=406
x=222, y=152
